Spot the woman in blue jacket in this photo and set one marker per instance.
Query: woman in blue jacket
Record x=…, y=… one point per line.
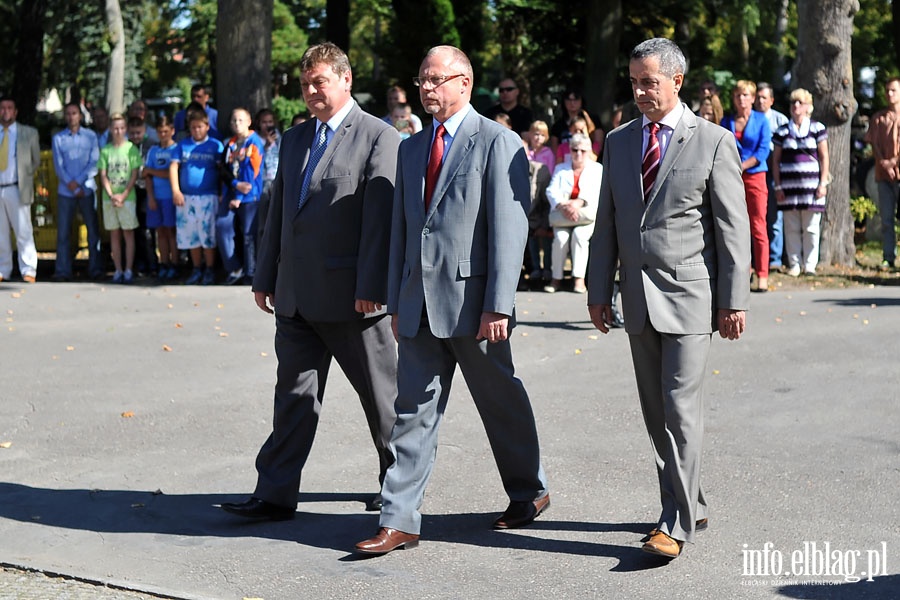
x=753, y=134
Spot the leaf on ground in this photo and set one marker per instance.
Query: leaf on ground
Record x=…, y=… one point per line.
x=217, y=328
x=218, y=319
x=16, y=295
x=802, y=313
x=127, y=414
x=524, y=334
x=196, y=305
x=54, y=357
x=167, y=348
x=593, y=337
x=577, y=350
x=70, y=348
x=865, y=321
x=715, y=371
x=5, y=444
x=220, y=306
x=178, y=325
x=170, y=306
x=223, y=334
x=264, y=354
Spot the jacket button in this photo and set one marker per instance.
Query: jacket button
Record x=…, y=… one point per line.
x=643, y=228
x=426, y=231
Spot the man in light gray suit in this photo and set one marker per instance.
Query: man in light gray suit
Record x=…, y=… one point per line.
x=672, y=211
x=457, y=239
x=322, y=268
x=20, y=157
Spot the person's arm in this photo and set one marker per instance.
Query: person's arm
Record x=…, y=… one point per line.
x=604, y=253
x=824, y=172
x=177, y=196
x=60, y=166
x=763, y=134
x=776, y=172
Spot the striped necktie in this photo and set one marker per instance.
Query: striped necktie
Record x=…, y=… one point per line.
x=650, y=163
x=314, y=157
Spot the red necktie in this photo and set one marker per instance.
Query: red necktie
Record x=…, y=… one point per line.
x=434, y=164
x=650, y=163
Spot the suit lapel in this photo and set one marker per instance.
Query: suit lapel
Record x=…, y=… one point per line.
x=683, y=132
x=634, y=141
x=462, y=144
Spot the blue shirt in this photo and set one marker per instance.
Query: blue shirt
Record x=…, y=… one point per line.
x=160, y=158
x=199, y=172
x=75, y=158
x=756, y=139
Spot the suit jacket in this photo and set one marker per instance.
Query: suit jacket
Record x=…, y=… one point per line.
x=687, y=252
x=319, y=260
x=463, y=257
x=28, y=159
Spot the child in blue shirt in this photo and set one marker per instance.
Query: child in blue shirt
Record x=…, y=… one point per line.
x=194, y=177
x=160, y=207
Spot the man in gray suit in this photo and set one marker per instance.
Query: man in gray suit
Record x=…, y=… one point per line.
x=457, y=240
x=322, y=269
x=677, y=221
x=20, y=157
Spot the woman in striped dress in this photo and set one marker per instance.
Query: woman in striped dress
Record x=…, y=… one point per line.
x=800, y=173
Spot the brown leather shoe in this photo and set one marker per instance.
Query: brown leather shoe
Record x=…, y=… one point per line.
x=520, y=514
x=701, y=525
x=386, y=540
x=662, y=545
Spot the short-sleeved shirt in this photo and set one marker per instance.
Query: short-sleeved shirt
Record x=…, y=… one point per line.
x=160, y=158
x=199, y=172
x=119, y=162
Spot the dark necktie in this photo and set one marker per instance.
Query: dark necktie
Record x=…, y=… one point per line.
x=314, y=157
x=650, y=164
x=434, y=164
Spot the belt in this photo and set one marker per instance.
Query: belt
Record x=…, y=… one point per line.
x=3, y=185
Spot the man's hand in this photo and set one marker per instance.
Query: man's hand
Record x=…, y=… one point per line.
x=234, y=204
x=265, y=301
x=731, y=323
x=601, y=316
x=243, y=187
x=493, y=327
x=73, y=185
x=177, y=198
x=367, y=307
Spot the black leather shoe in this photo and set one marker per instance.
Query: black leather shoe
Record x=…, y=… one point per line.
x=254, y=508
x=375, y=503
x=520, y=514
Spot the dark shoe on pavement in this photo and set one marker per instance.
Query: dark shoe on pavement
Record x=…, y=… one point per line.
x=375, y=503
x=387, y=540
x=254, y=508
x=520, y=514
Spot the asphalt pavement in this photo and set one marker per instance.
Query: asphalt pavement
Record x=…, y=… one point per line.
x=128, y=413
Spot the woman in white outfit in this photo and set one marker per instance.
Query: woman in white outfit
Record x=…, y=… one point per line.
x=573, y=193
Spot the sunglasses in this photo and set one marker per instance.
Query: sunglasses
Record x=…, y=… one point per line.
x=506, y=89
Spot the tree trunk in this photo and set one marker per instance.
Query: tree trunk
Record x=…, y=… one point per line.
x=780, y=66
x=26, y=78
x=823, y=67
x=115, y=75
x=244, y=43
x=337, y=23
x=602, y=56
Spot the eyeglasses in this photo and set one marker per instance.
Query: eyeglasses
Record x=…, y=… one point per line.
x=435, y=80
x=506, y=89
x=579, y=151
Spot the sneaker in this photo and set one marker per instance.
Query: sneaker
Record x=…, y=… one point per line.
x=195, y=278
x=129, y=276
x=209, y=277
x=171, y=274
x=536, y=274
x=234, y=277
x=794, y=271
x=118, y=277
x=885, y=266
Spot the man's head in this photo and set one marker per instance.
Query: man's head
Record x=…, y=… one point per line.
x=72, y=114
x=395, y=95
x=326, y=80
x=136, y=130
x=199, y=94
x=509, y=93
x=117, y=128
x=580, y=147
x=445, y=81
x=892, y=91
x=765, y=96
x=708, y=88
x=100, y=118
x=656, y=70
x=138, y=109
x=8, y=111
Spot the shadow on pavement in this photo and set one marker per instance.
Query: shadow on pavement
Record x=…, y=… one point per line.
x=860, y=301
x=197, y=515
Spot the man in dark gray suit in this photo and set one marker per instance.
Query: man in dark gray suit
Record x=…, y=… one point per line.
x=322, y=269
x=672, y=211
x=459, y=231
